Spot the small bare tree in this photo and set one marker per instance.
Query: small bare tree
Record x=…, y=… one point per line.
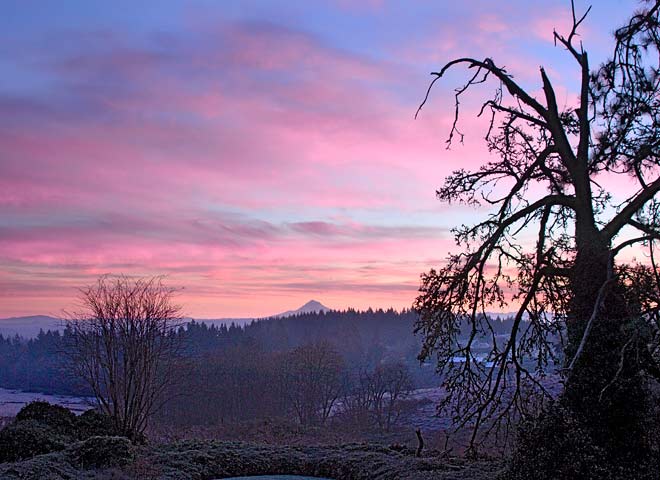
x=123, y=345
x=392, y=384
x=313, y=378
x=374, y=397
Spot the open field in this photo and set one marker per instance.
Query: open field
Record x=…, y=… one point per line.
x=11, y=401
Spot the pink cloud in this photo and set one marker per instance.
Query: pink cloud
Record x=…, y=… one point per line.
x=257, y=165
x=301, y=155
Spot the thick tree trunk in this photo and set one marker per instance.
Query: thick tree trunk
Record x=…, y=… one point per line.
x=604, y=389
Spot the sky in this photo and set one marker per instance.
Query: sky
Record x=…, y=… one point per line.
x=257, y=153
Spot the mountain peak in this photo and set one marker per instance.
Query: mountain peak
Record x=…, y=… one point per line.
x=313, y=306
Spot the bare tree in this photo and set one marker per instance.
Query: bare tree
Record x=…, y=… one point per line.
x=373, y=397
x=390, y=384
x=123, y=345
x=313, y=378
x=356, y=400
x=547, y=177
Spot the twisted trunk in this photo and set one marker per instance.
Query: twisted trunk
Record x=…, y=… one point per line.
x=604, y=388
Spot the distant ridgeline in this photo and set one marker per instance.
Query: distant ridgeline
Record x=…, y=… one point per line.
x=363, y=338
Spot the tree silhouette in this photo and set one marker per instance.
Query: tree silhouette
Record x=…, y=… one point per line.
x=569, y=288
x=123, y=345
x=312, y=376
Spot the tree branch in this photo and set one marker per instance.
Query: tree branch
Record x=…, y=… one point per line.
x=512, y=87
x=625, y=215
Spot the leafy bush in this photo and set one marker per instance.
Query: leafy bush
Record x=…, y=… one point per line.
x=28, y=438
x=103, y=451
x=41, y=427
x=93, y=423
x=56, y=416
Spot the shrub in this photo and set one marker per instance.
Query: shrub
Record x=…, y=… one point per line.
x=41, y=427
x=555, y=446
x=103, y=451
x=93, y=423
x=27, y=438
x=55, y=416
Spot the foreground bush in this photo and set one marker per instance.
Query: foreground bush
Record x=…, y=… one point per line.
x=101, y=452
x=93, y=423
x=556, y=446
x=41, y=427
x=205, y=460
x=27, y=438
x=55, y=416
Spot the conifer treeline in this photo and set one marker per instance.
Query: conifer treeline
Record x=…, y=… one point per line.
x=363, y=338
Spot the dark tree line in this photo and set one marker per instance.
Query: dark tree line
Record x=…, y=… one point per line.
x=361, y=338
x=37, y=364
x=304, y=368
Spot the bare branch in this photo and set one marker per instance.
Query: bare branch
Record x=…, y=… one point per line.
x=625, y=215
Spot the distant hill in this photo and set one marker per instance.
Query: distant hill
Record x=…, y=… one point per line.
x=28, y=327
